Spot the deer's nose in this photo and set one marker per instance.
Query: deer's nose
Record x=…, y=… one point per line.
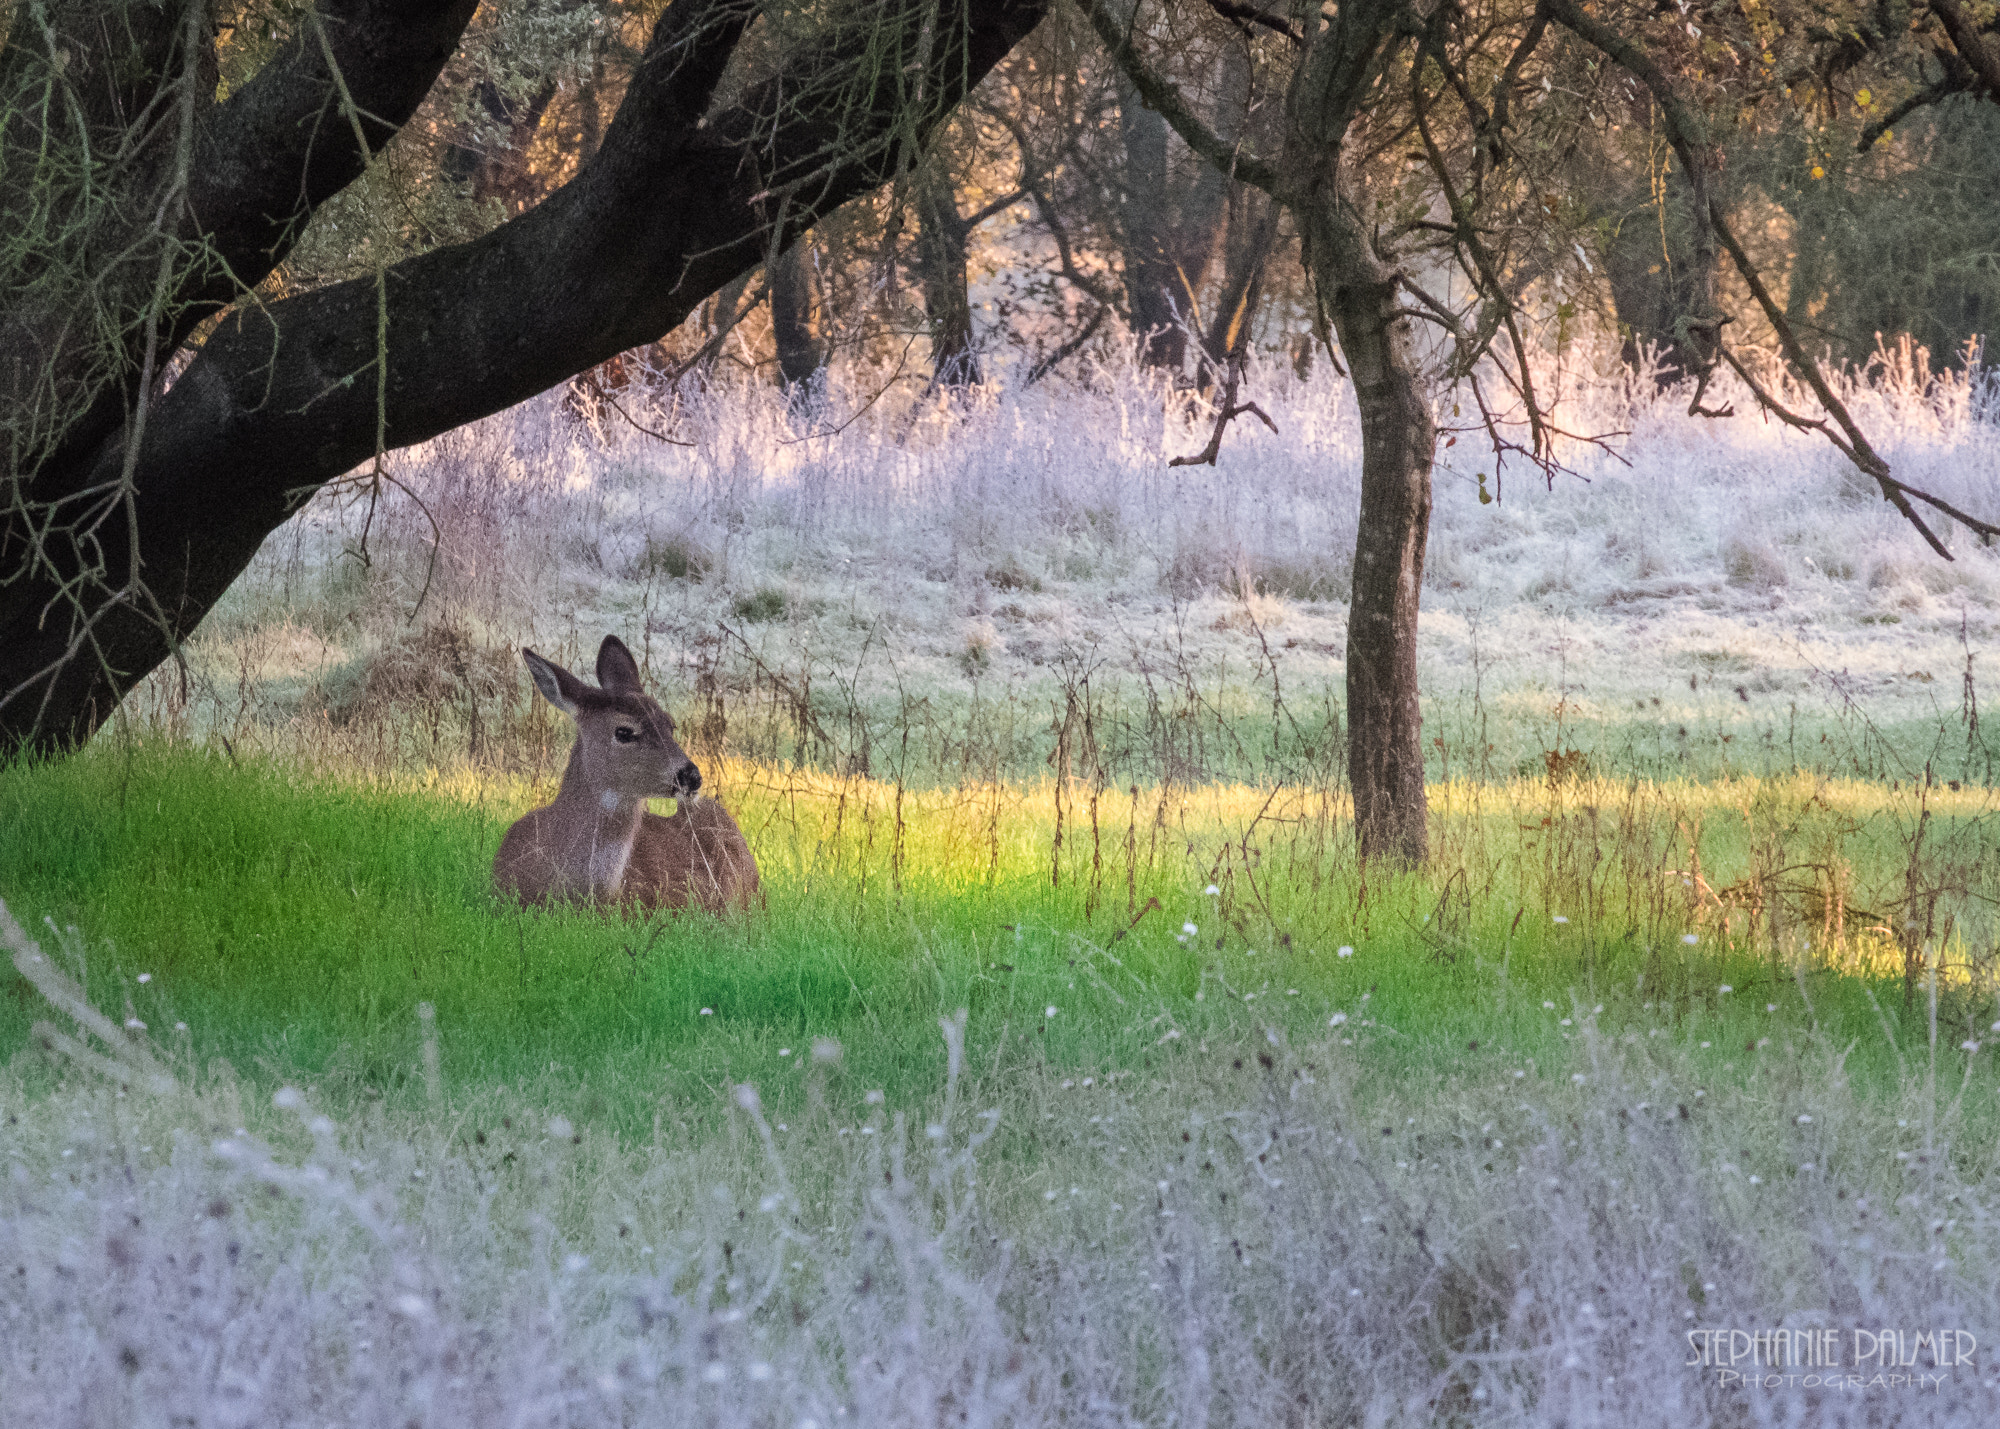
x=688, y=781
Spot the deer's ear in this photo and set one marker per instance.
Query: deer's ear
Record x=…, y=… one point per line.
x=616, y=669
x=558, y=686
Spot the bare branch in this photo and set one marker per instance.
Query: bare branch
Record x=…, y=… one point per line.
x=1929, y=95
x=1686, y=133
x=1159, y=93
x=1486, y=274
x=1244, y=16
x=1969, y=43
x=980, y=215
x=1228, y=409
x=1069, y=349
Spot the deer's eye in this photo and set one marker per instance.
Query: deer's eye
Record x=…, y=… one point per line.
x=625, y=734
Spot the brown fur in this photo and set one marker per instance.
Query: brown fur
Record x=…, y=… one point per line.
x=597, y=841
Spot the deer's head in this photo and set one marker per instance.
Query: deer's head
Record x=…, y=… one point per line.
x=625, y=745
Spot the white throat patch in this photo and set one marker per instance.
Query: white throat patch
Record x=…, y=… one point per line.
x=610, y=855
x=607, y=867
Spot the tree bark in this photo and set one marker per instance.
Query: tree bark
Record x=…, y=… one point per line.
x=287, y=395
x=1356, y=288
x=1385, y=756
x=801, y=356
x=941, y=238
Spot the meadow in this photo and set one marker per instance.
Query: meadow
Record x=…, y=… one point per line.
x=1071, y=1073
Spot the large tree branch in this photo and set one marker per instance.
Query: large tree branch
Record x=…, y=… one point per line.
x=1969, y=43
x=1162, y=95
x=283, y=397
x=281, y=146
x=264, y=160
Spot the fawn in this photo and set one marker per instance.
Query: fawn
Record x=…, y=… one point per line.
x=596, y=841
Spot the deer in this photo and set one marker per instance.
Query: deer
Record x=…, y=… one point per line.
x=597, y=842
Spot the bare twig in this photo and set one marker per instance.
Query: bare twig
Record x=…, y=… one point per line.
x=1228, y=409
x=1069, y=349
x=1244, y=16
x=1928, y=95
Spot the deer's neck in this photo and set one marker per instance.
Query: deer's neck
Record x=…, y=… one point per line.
x=603, y=824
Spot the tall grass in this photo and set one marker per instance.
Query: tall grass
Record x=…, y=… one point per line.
x=293, y=921
x=1254, y=1228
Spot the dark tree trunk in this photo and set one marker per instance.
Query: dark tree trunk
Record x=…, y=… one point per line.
x=1252, y=233
x=941, y=238
x=1168, y=220
x=286, y=395
x=1385, y=756
x=800, y=353
x=1653, y=283
x=1357, y=291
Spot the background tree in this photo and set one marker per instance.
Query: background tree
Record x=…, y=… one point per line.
x=801, y=353
x=1416, y=140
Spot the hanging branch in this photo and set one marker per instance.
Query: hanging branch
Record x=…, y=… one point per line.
x=1162, y=95
x=1856, y=446
x=1701, y=326
x=1480, y=267
x=1923, y=98
x=1228, y=409
x=1684, y=132
x=1069, y=349
x=1244, y=16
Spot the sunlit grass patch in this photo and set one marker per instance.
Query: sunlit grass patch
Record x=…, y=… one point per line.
x=293, y=922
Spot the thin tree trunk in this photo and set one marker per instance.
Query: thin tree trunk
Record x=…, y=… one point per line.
x=800, y=355
x=1385, y=761
x=1253, y=231
x=941, y=238
x=1168, y=231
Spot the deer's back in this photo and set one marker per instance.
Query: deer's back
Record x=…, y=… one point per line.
x=696, y=857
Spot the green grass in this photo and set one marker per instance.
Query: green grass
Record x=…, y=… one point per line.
x=294, y=925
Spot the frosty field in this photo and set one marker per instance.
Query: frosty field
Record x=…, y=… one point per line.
x=906, y=561
x=1071, y=1075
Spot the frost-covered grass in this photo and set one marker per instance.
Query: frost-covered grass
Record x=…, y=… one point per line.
x=822, y=583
